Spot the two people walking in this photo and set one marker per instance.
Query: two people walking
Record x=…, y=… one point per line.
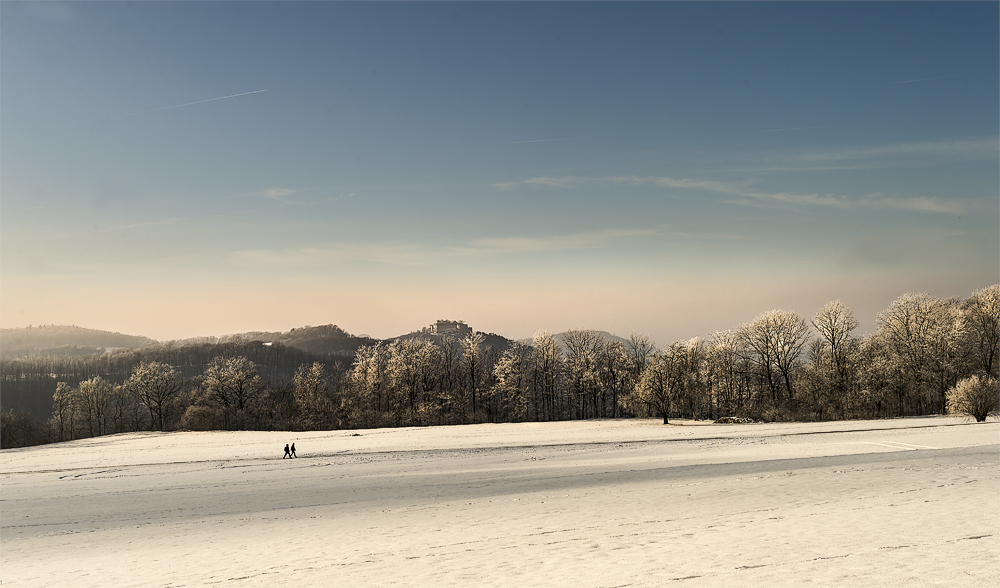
x=289, y=452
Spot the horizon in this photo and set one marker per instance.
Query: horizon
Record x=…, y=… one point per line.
x=183, y=170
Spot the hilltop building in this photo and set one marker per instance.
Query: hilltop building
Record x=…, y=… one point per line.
x=444, y=327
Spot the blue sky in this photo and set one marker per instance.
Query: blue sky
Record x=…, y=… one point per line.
x=673, y=168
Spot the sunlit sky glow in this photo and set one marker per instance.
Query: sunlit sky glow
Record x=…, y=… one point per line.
x=181, y=169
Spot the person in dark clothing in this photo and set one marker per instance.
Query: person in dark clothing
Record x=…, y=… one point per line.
x=293, y=450
x=287, y=454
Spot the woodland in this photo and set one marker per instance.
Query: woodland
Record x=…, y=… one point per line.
x=927, y=356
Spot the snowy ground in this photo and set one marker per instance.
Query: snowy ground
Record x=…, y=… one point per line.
x=908, y=502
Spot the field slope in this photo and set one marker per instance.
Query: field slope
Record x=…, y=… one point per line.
x=905, y=502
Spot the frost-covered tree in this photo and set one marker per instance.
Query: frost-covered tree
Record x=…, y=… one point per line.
x=729, y=371
x=94, y=400
x=697, y=388
x=63, y=412
x=369, y=384
x=314, y=394
x=473, y=361
x=640, y=350
x=835, y=323
x=234, y=384
x=615, y=380
x=412, y=367
x=981, y=313
x=776, y=339
x=921, y=332
x=583, y=351
x=512, y=372
x=975, y=396
x=449, y=372
x=546, y=376
x=155, y=385
x=831, y=372
x=662, y=382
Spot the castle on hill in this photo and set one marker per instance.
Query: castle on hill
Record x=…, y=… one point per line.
x=445, y=327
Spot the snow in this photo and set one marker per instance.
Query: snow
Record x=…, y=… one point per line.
x=903, y=502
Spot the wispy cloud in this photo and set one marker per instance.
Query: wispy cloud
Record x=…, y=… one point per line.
x=746, y=195
x=387, y=253
x=557, y=242
x=668, y=182
x=415, y=254
x=547, y=181
x=976, y=148
x=923, y=204
x=934, y=78
x=116, y=228
x=278, y=193
x=545, y=140
x=800, y=128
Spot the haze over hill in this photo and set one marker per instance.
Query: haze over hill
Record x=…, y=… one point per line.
x=47, y=340
x=329, y=340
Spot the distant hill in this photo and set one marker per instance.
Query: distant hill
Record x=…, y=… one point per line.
x=459, y=330
x=561, y=338
x=62, y=340
x=498, y=342
x=326, y=340
x=28, y=383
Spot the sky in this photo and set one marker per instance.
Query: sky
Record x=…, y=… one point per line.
x=179, y=169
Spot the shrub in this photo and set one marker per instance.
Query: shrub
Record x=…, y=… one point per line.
x=202, y=418
x=976, y=397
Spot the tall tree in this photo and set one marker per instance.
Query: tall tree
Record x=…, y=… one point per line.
x=981, y=312
x=155, y=385
x=547, y=370
x=662, y=382
x=776, y=339
x=833, y=355
x=472, y=359
x=63, y=411
x=583, y=350
x=236, y=386
x=915, y=327
x=95, y=399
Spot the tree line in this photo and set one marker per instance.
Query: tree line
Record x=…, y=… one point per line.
x=927, y=356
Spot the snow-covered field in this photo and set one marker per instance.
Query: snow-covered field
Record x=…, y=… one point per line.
x=907, y=502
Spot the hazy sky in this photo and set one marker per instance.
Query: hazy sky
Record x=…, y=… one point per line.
x=180, y=169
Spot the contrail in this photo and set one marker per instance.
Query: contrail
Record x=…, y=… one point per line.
x=929, y=79
x=544, y=140
x=189, y=104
